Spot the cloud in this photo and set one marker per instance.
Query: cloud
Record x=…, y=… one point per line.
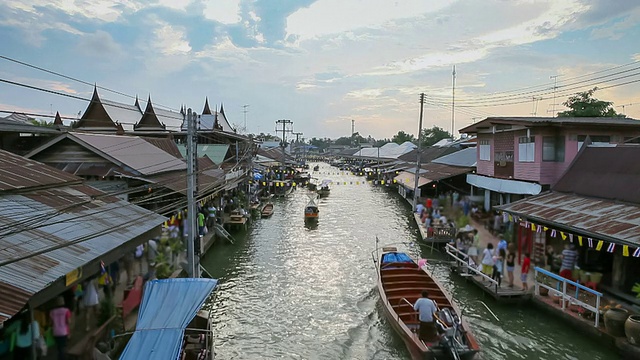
x=171, y=40
x=326, y=17
x=99, y=45
x=223, y=11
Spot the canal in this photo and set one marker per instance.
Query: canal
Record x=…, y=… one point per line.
x=288, y=291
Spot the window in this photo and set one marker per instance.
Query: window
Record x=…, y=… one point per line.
x=485, y=150
x=526, y=149
x=595, y=140
x=553, y=148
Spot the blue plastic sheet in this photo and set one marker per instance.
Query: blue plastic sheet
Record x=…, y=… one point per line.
x=395, y=257
x=168, y=306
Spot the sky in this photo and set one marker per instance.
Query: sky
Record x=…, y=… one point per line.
x=323, y=63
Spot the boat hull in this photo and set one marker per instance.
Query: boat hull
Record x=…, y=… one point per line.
x=399, y=287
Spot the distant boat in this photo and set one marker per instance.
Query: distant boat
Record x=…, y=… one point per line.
x=323, y=189
x=311, y=211
x=400, y=282
x=267, y=210
x=316, y=168
x=266, y=197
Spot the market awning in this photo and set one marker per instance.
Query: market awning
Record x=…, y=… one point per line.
x=597, y=218
x=408, y=180
x=167, y=308
x=504, y=186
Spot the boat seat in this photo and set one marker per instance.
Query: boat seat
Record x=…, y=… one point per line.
x=435, y=291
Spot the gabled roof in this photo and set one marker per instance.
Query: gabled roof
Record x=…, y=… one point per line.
x=130, y=152
x=58, y=119
x=149, y=120
x=104, y=114
x=206, y=110
x=611, y=173
x=487, y=123
x=9, y=124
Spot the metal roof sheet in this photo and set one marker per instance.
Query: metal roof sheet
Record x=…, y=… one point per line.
x=122, y=113
x=215, y=152
x=166, y=145
x=407, y=179
x=556, y=121
x=465, y=157
x=602, y=219
x=604, y=172
x=17, y=172
x=135, y=152
x=97, y=219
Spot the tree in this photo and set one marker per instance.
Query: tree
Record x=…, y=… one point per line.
x=583, y=104
x=343, y=141
x=402, y=137
x=42, y=123
x=433, y=135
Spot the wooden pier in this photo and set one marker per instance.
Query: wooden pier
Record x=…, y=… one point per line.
x=487, y=284
x=435, y=234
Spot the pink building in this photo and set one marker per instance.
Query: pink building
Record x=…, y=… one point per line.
x=521, y=156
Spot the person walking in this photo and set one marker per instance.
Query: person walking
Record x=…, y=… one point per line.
x=473, y=249
x=90, y=300
x=60, y=320
x=526, y=264
x=569, y=258
x=498, y=267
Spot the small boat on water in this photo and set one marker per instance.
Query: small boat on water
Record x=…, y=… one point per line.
x=311, y=211
x=171, y=324
x=316, y=168
x=267, y=210
x=266, y=197
x=323, y=188
x=400, y=283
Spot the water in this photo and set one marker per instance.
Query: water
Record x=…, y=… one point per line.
x=289, y=291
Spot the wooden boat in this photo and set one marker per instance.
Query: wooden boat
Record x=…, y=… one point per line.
x=267, y=210
x=311, y=211
x=400, y=283
x=266, y=197
x=323, y=188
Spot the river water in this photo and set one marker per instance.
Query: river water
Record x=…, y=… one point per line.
x=288, y=291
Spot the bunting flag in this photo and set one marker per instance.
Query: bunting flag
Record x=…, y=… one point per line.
x=611, y=247
x=625, y=250
x=580, y=240
x=102, y=267
x=590, y=242
x=571, y=238
x=636, y=253
x=539, y=229
x=533, y=227
x=553, y=233
x=510, y=218
x=563, y=235
x=545, y=228
x=599, y=246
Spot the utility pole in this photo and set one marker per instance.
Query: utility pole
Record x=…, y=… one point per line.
x=417, y=174
x=535, y=105
x=193, y=262
x=297, y=134
x=555, y=86
x=625, y=105
x=453, y=102
x=245, y=111
x=353, y=127
x=284, y=131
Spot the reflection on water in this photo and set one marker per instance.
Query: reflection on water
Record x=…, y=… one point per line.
x=297, y=290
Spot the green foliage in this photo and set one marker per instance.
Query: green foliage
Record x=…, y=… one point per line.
x=462, y=221
x=402, y=137
x=42, y=123
x=583, y=104
x=433, y=135
x=636, y=289
x=106, y=310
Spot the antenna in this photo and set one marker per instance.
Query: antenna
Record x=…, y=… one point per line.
x=245, y=111
x=624, y=105
x=555, y=87
x=453, y=101
x=535, y=105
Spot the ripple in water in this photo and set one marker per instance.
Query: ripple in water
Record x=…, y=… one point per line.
x=289, y=291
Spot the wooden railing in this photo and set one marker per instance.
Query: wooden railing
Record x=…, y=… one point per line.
x=463, y=259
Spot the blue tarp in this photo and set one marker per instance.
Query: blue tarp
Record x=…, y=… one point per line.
x=395, y=257
x=167, y=307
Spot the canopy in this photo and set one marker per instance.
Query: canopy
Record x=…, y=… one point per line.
x=168, y=306
x=467, y=228
x=325, y=182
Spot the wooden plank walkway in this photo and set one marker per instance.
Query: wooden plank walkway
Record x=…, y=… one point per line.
x=484, y=282
x=439, y=235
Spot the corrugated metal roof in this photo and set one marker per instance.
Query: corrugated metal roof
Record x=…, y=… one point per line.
x=428, y=154
x=408, y=179
x=465, y=157
x=602, y=219
x=98, y=219
x=604, y=172
x=122, y=113
x=436, y=172
x=555, y=121
x=7, y=124
x=132, y=151
x=166, y=145
x=17, y=172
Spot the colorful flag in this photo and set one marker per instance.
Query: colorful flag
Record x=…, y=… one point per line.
x=599, y=246
x=580, y=240
x=625, y=250
x=590, y=242
x=611, y=247
x=563, y=235
x=636, y=253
